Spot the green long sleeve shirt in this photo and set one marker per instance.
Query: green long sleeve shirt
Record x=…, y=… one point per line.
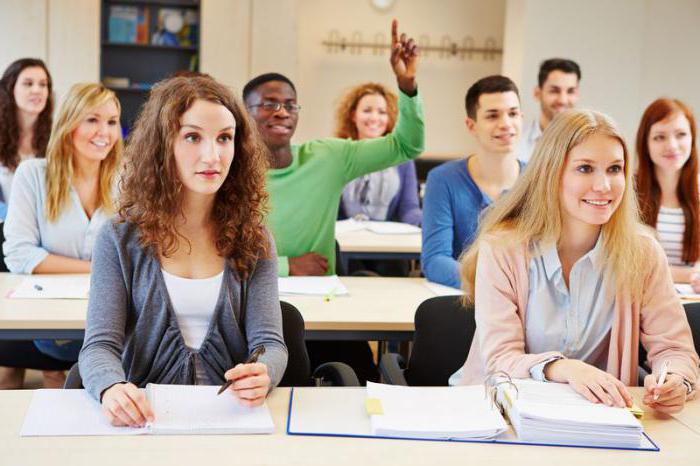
x=304, y=196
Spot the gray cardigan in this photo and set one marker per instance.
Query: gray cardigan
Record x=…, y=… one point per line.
x=132, y=333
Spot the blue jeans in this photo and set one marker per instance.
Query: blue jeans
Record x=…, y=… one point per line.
x=63, y=350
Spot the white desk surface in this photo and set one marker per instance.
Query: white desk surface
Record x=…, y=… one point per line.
x=366, y=241
x=374, y=303
x=677, y=442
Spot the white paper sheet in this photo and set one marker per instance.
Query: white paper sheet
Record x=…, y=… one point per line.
x=686, y=291
x=442, y=290
x=178, y=409
x=53, y=287
x=380, y=228
x=319, y=286
x=434, y=412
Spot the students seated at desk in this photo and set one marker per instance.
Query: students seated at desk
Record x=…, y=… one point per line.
x=370, y=111
x=305, y=181
x=184, y=281
x=667, y=182
x=26, y=109
x=557, y=90
x=567, y=282
x=58, y=205
x=456, y=192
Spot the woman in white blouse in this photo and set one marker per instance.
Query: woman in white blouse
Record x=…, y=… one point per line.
x=667, y=182
x=59, y=204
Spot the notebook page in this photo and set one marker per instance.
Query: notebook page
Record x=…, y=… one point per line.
x=197, y=409
x=347, y=226
x=68, y=413
x=52, y=287
x=392, y=228
x=434, y=412
x=321, y=286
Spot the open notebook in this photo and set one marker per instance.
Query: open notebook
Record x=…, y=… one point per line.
x=380, y=228
x=178, y=409
x=53, y=287
x=555, y=413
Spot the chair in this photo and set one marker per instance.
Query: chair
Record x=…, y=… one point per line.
x=444, y=332
x=3, y=266
x=692, y=312
x=298, y=371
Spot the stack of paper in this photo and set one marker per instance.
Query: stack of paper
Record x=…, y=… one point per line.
x=322, y=286
x=178, y=409
x=432, y=412
x=686, y=291
x=554, y=413
x=53, y=287
x=380, y=228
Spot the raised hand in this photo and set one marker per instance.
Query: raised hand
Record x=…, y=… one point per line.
x=404, y=59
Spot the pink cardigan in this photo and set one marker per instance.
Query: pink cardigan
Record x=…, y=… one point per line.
x=658, y=319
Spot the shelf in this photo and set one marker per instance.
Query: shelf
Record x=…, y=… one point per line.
x=133, y=90
x=159, y=3
x=189, y=48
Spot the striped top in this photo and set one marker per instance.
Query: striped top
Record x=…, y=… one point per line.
x=670, y=226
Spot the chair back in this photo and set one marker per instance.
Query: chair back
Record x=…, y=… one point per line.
x=443, y=335
x=3, y=266
x=298, y=372
x=692, y=312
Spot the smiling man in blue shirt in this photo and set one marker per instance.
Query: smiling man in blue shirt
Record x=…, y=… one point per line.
x=456, y=192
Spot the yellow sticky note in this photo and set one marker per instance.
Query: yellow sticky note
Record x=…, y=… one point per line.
x=374, y=406
x=637, y=411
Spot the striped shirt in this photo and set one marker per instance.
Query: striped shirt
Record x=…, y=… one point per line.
x=670, y=226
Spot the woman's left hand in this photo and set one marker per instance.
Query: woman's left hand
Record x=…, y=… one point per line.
x=672, y=394
x=251, y=383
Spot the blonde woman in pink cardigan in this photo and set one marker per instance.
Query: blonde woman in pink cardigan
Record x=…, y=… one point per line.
x=567, y=282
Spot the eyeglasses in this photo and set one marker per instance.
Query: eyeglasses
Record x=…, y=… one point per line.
x=273, y=107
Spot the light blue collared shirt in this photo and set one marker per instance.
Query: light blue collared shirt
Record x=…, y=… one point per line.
x=574, y=321
x=30, y=237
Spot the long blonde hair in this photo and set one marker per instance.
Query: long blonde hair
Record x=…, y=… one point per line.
x=531, y=210
x=81, y=99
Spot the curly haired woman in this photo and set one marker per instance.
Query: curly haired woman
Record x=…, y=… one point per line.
x=184, y=281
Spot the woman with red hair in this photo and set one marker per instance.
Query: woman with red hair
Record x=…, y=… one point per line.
x=667, y=182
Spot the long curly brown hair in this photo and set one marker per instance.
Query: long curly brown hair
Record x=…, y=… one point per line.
x=151, y=190
x=344, y=126
x=9, y=129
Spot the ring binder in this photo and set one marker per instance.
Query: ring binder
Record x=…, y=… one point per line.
x=491, y=384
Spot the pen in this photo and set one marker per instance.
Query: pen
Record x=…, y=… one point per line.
x=257, y=352
x=38, y=287
x=330, y=295
x=662, y=377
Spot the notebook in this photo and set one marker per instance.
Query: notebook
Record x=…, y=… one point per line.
x=380, y=228
x=432, y=412
x=546, y=412
x=317, y=286
x=178, y=409
x=53, y=287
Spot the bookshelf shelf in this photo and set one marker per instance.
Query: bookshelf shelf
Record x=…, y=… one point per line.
x=140, y=43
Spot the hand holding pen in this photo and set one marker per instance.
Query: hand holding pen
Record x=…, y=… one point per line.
x=249, y=381
x=665, y=391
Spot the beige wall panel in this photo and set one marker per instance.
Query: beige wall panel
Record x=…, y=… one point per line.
x=225, y=42
x=74, y=42
x=22, y=30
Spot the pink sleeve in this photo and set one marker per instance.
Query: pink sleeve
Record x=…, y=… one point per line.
x=664, y=329
x=499, y=321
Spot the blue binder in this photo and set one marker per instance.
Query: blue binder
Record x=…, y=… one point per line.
x=290, y=413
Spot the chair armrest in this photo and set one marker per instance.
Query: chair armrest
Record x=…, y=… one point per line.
x=391, y=367
x=73, y=379
x=338, y=374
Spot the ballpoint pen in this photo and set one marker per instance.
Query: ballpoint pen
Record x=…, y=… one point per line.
x=257, y=352
x=662, y=377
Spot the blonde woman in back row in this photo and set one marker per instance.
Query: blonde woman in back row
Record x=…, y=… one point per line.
x=568, y=296
x=58, y=205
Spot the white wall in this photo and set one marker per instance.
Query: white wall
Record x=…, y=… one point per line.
x=23, y=30
x=630, y=51
x=322, y=77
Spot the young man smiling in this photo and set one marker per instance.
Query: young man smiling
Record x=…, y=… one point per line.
x=305, y=181
x=456, y=192
x=557, y=90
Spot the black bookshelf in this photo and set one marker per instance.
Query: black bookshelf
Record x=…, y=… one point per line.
x=137, y=66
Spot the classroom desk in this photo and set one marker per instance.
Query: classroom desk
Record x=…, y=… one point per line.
x=363, y=244
x=378, y=308
x=677, y=442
